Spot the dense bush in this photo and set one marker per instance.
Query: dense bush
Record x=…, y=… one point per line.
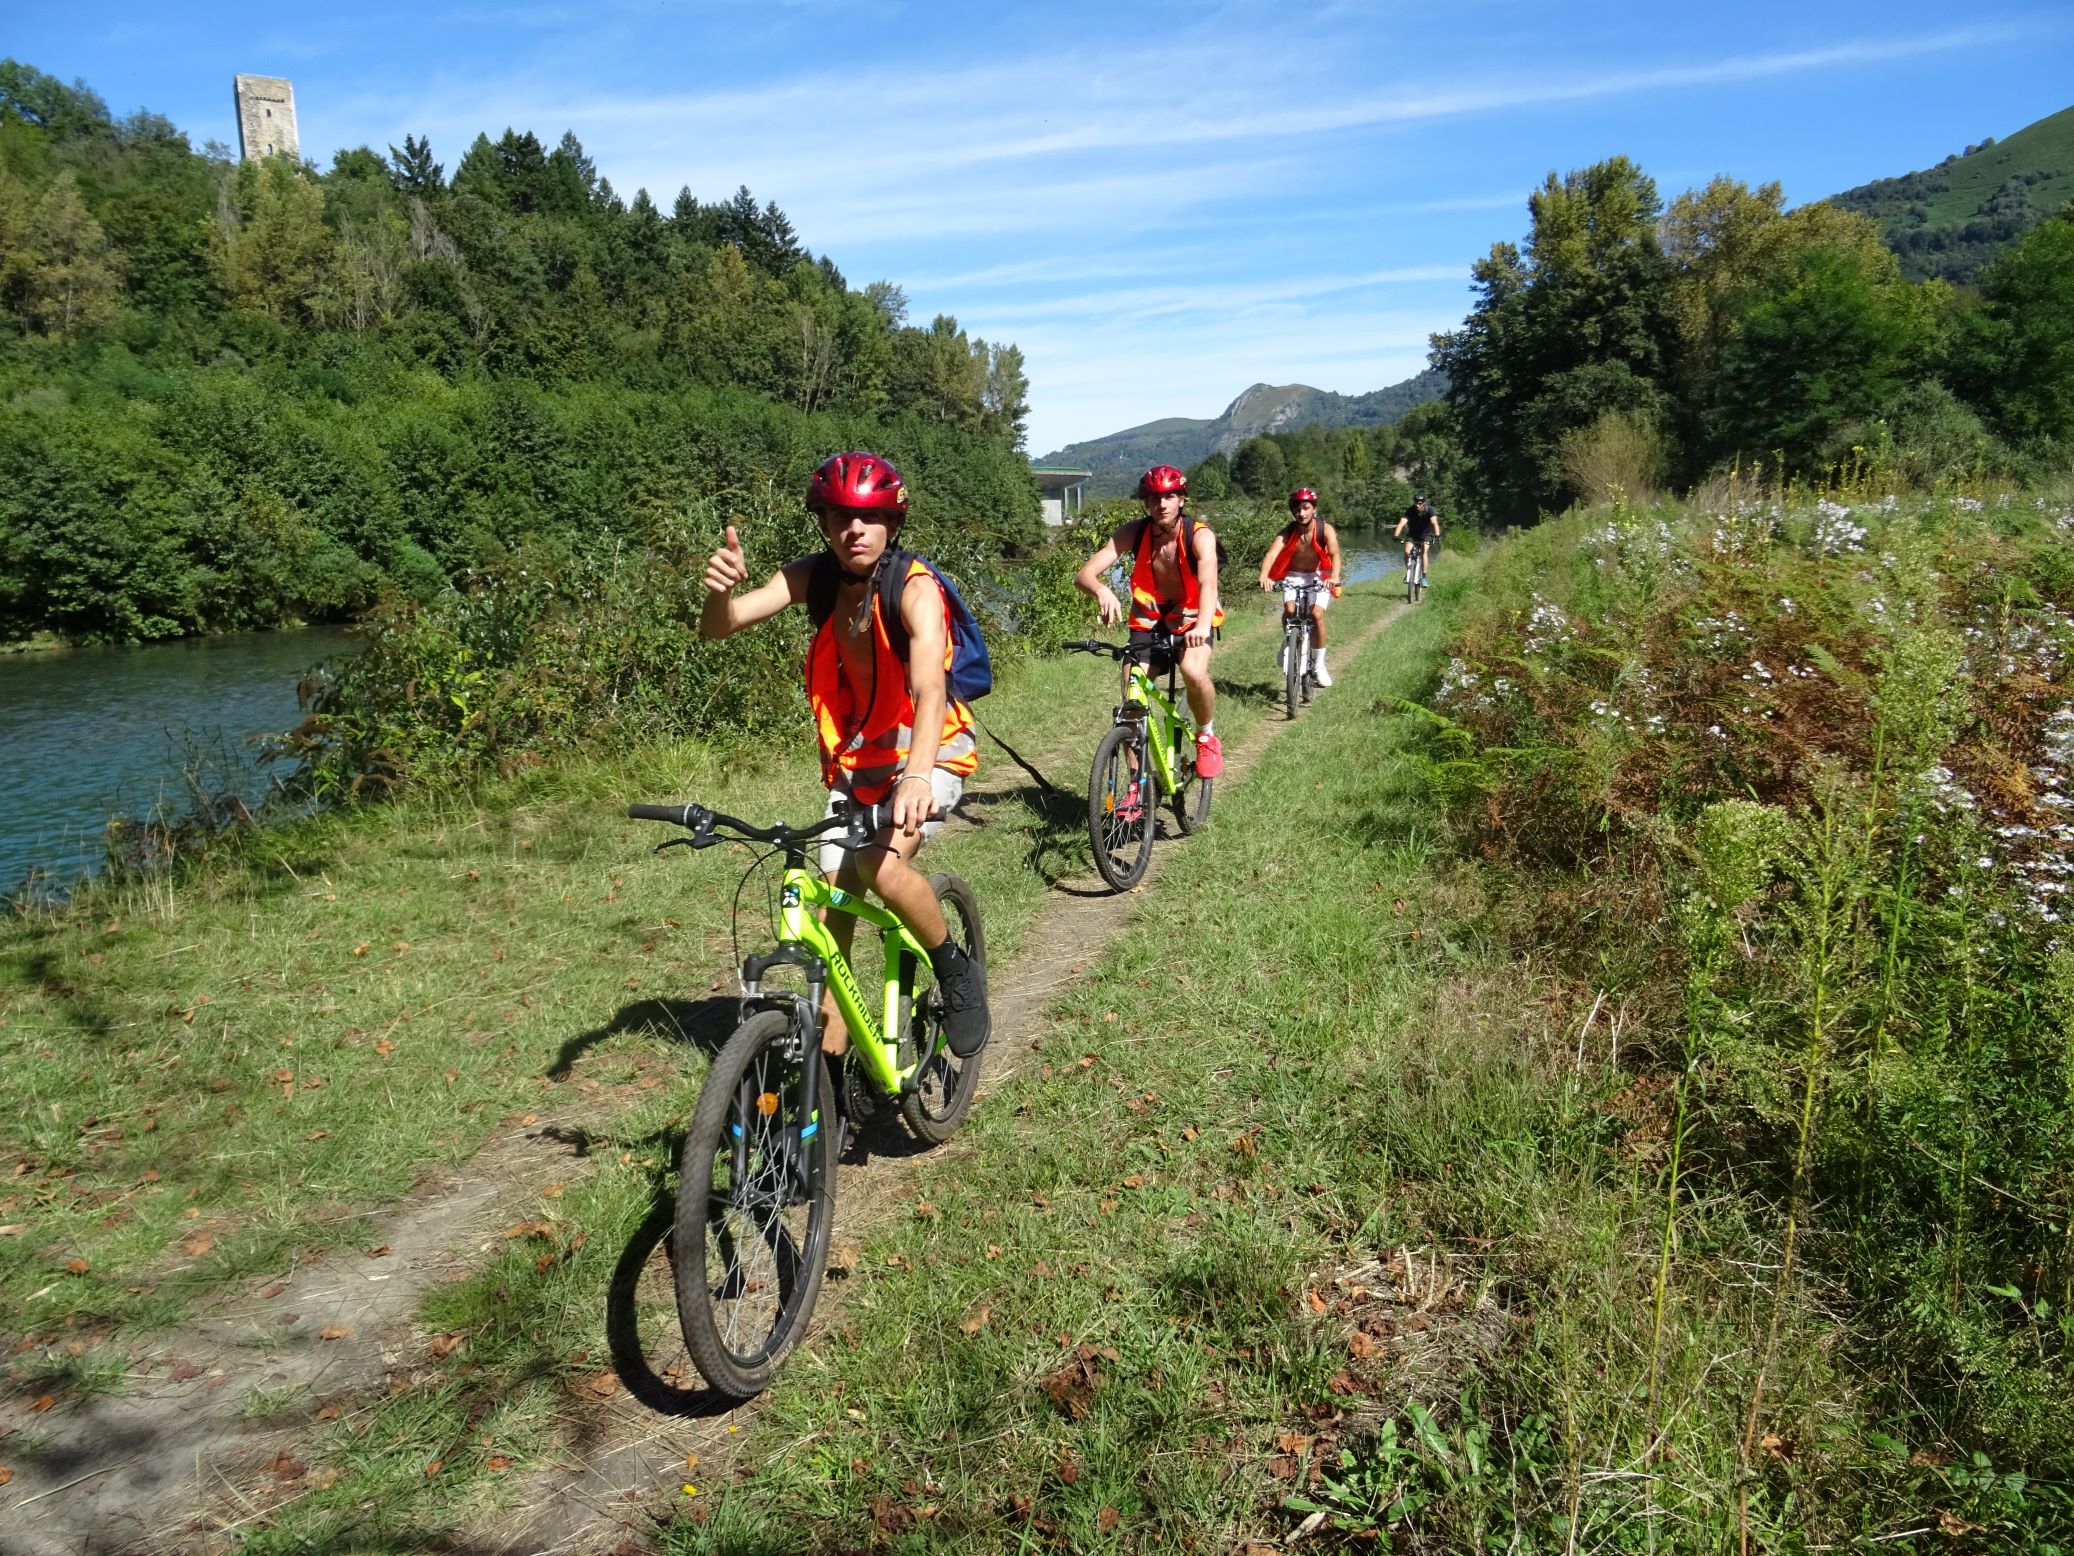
x=1787, y=787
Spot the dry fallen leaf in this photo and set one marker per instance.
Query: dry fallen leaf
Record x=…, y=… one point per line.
x=334, y=1331
x=434, y=1468
x=443, y=1345
x=605, y=1385
x=198, y=1245
x=289, y=1467
x=1108, y=1519
x=77, y=1266
x=553, y=1191
x=385, y=1048
x=379, y=1253
x=977, y=1319
x=182, y=1371
x=325, y=1413
x=43, y=1403
x=496, y=1464
x=6, y=1474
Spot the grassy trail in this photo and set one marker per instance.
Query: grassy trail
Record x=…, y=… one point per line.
x=1099, y=1313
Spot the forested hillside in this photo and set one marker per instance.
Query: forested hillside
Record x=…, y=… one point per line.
x=244, y=393
x=1951, y=220
x=1625, y=344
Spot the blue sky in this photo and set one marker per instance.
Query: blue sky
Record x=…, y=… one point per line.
x=1161, y=203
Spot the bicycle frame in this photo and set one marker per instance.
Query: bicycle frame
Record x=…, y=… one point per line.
x=1142, y=691
x=801, y=893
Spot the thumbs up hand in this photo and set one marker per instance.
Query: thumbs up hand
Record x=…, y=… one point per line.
x=727, y=567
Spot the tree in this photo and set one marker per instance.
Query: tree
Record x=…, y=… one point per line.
x=1575, y=323
x=273, y=248
x=1835, y=343
x=1210, y=481
x=2015, y=358
x=1259, y=468
x=1007, y=392
x=72, y=282
x=413, y=171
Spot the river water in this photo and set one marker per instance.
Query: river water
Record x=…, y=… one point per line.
x=90, y=733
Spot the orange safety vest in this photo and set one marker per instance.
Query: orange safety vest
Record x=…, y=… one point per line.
x=871, y=747
x=1148, y=611
x=1283, y=568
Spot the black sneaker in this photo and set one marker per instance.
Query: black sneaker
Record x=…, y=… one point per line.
x=962, y=985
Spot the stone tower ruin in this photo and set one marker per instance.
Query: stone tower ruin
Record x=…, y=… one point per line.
x=266, y=116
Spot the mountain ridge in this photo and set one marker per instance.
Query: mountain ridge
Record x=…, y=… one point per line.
x=1952, y=219
x=1117, y=458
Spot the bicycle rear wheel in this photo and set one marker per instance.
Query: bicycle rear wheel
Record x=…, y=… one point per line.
x=1191, y=790
x=1119, y=807
x=755, y=1207
x=946, y=1084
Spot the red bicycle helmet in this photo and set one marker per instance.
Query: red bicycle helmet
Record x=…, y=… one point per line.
x=857, y=480
x=1301, y=494
x=1160, y=480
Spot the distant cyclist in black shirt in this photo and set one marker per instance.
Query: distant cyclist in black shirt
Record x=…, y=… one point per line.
x=1418, y=526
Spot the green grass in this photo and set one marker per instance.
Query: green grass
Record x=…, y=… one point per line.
x=201, y=1075
x=551, y=970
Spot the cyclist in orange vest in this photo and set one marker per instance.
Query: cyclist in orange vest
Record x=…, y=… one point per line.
x=1173, y=589
x=888, y=728
x=1307, y=551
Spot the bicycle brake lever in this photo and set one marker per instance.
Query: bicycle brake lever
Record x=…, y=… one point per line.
x=675, y=842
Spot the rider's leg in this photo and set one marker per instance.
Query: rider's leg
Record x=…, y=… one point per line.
x=1202, y=696
x=1318, y=627
x=877, y=868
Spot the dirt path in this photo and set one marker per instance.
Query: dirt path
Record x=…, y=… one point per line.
x=186, y=1451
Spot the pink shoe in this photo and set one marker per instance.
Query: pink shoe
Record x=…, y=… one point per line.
x=1209, y=756
x=1132, y=810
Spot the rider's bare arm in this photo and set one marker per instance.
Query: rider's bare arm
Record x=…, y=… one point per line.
x=921, y=608
x=725, y=612
x=1109, y=610
x=1267, y=563
x=1207, y=601
x=1332, y=549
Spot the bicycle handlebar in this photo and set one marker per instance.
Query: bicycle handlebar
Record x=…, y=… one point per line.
x=1162, y=643
x=860, y=822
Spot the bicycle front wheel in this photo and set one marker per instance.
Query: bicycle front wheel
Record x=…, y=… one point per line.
x=1292, y=668
x=945, y=1084
x=1119, y=807
x=755, y=1207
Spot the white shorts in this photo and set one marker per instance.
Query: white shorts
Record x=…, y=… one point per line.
x=1291, y=582
x=948, y=788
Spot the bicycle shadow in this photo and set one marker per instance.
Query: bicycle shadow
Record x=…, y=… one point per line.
x=703, y=1023
x=623, y=1326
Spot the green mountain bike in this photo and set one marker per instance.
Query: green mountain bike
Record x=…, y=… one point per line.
x=1147, y=755
x=756, y=1177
